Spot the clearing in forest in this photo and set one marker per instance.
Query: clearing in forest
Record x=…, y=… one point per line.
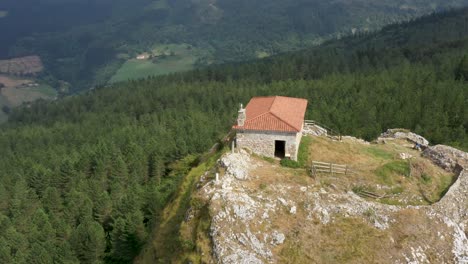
x=163, y=59
x=14, y=91
x=380, y=170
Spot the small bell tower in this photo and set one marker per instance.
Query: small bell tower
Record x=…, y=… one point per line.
x=241, y=116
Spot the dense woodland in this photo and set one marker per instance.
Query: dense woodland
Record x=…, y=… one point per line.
x=85, y=179
x=85, y=42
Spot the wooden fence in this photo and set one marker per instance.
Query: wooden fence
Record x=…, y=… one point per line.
x=323, y=167
x=330, y=132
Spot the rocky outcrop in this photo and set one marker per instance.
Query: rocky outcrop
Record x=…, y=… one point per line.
x=237, y=164
x=249, y=223
x=233, y=212
x=453, y=207
x=447, y=157
x=355, y=140
x=239, y=212
x=455, y=201
x=405, y=156
x=398, y=133
x=314, y=130
x=324, y=205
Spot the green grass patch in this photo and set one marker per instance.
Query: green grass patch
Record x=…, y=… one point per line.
x=356, y=240
x=363, y=188
x=138, y=69
x=397, y=190
x=444, y=185
x=262, y=54
x=3, y=13
x=390, y=201
x=379, y=153
x=167, y=59
x=426, y=179
x=47, y=90
x=293, y=252
x=325, y=182
x=370, y=213
x=302, y=155
x=388, y=171
x=268, y=159
x=288, y=163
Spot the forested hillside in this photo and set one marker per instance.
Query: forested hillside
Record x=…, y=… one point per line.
x=86, y=43
x=85, y=179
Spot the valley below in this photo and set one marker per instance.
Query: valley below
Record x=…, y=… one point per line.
x=18, y=85
x=116, y=124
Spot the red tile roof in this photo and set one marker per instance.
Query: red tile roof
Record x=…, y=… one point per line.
x=274, y=113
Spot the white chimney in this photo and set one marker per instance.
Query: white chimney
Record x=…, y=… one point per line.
x=241, y=117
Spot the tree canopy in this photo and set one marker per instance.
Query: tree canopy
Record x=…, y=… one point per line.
x=85, y=178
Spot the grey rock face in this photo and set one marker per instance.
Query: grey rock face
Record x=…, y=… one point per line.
x=243, y=227
x=447, y=157
x=405, y=156
x=232, y=210
x=402, y=134
x=454, y=205
x=237, y=164
x=354, y=139
x=277, y=238
x=314, y=130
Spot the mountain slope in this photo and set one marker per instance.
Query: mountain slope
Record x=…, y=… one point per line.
x=86, y=50
x=261, y=212
x=87, y=178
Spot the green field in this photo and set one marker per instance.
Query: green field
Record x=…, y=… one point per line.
x=3, y=13
x=16, y=96
x=170, y=58
x=262, y=54
x=46, y=90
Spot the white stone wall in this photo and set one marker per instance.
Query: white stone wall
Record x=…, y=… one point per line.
x=298, y=142
x=263, y=142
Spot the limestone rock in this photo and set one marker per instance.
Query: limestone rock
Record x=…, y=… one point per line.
x=354, y=139
x=447, y=157
x=237, y=164
x=232, y=209
x=403, y=134
x=247, y=222
x=454, y=205
x=277, y=238
x=454, y=208
x=293, y=210
x=405, y=156
x=314, y=130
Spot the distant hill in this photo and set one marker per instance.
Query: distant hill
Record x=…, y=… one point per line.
x=86, y=43
x=88, y=178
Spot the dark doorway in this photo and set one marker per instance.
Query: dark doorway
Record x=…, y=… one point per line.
x=280, y=148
